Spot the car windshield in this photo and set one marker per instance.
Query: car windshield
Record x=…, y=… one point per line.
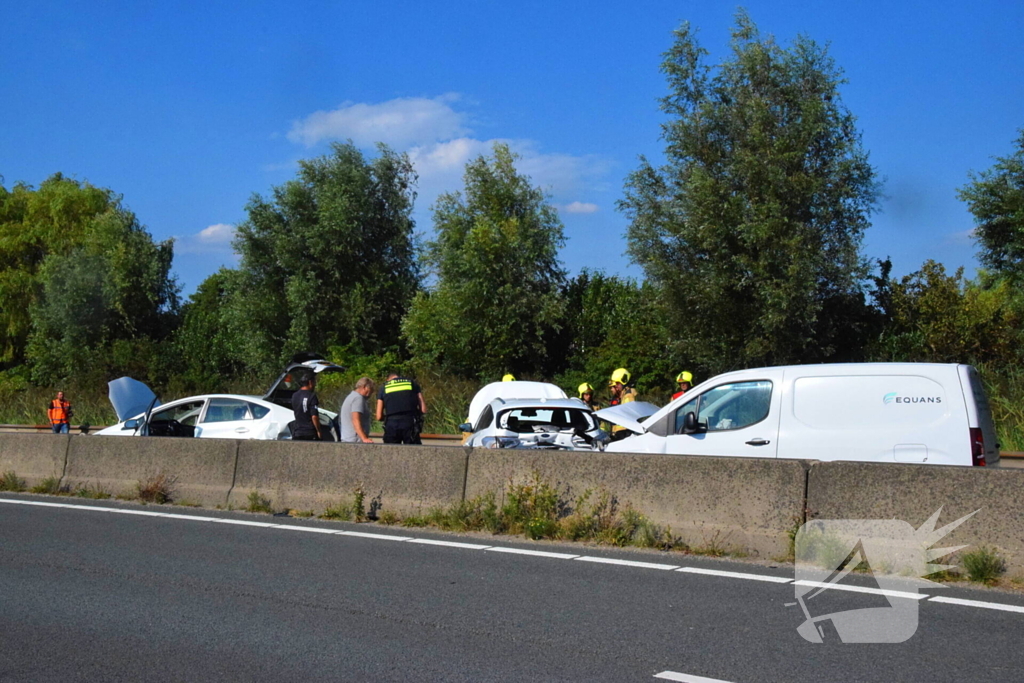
x=529, y=420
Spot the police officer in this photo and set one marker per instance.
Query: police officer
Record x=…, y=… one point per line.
x=305, y=406
x=401, y=406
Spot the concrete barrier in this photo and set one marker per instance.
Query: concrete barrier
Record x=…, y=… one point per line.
x=313, y=476
x=912, y=493
x=34, y=457
x=742, y=504
x=202, y=469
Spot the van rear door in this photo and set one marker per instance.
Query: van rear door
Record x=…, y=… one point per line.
x=979, y=414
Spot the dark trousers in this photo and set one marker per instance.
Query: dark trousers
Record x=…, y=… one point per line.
x=401, y=431
x=304, y=436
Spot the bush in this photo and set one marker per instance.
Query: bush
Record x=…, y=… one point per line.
x=51, y=486
x=258, y=503
x=983, y=565
x=10, y=482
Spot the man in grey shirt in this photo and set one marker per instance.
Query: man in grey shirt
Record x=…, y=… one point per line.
x=354, y=415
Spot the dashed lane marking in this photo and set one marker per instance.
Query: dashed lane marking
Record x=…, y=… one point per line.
x=735, y=575
x=628, y=563
x=535, y=553
x=978, y=603
x=686, y=678
x=862, y=589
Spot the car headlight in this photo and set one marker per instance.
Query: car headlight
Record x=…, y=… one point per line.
x=499, y=442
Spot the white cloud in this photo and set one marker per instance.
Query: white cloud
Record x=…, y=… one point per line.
x=400, y=123
x=219, y=233
x=579, y=207
x=963, y=237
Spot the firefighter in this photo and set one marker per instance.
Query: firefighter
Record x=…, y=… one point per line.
x=621, y=393
x=509, y=377
x=685, y=381
x=586, y=394
x=59, y=413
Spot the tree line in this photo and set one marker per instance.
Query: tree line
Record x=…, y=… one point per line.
x=749, y=235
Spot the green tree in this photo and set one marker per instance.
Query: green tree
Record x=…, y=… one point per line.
x=496, y=303
x=208, y=347
x=83, y=286
x=752, y=228
x=995, y=197
x=328, y=260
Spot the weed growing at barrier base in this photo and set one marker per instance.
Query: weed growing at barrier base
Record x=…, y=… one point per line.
x=258, y=503
x=537, y=510
x=90, y=491
x=342, y=512
x=11, y=482
x=300, y=513
x=157, y=489
x=187, y=503
x=51, y=486
x=388, y=518
x=983, y=565
x=359, y=504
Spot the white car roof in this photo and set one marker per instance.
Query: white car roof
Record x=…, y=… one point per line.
x=511, y=390
x=499, y=404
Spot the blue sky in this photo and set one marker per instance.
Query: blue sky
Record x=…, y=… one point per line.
x=188, y=109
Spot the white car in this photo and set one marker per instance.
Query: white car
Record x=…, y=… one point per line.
x=531, y=415
x=215, y=416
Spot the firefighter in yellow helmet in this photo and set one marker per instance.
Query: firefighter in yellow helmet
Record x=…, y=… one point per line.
x=586, y=394
x=685, y=381
x=621, y=393
x=509, y=377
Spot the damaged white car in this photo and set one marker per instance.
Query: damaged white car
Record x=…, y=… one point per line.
x=216, y=416
x=531, y=415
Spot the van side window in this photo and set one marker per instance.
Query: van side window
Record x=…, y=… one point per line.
x=729, y=406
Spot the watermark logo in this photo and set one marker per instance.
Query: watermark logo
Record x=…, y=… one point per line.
x=888, y=554
x=889, y=398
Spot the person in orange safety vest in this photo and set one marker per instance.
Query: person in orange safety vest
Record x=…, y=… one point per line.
x=59, y=411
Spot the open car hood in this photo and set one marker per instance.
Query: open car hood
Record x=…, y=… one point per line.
x=281, y=391
x=628, y=415
x=511, y=390
x=130, y=397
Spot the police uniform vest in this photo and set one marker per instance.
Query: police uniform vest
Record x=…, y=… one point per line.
x=401, y=398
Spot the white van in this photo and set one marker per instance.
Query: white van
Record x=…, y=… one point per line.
x=874, y=412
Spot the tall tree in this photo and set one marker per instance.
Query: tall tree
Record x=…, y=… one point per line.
x=83, y=286
x=329, y=259
x=497, y=297
x=996, y=199
x=752, y=228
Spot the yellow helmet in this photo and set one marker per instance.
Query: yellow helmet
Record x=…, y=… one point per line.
x=509, y=377
x=620, y=376
x=585, y=389
x=685, y=376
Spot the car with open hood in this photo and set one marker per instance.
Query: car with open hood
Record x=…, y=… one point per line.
x=217, y=416
x=531, y=415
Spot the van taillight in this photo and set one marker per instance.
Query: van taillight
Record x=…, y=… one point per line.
x=977, y=447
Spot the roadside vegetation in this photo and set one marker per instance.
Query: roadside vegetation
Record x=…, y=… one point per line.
x=749, y=237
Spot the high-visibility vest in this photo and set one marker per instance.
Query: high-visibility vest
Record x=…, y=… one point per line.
x=58, y=411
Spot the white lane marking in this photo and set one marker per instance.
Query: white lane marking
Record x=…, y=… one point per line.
x=191, y=518
x=381, y=537
x=449, y=544
x=978, y=603
x=735, y=575
x=313, y=529
x=686, y=678
x=241, y=522
x=862, y=589
x=627, y=563
x=535, y=553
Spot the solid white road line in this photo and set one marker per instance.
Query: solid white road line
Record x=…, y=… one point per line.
x=379, y=537
x=686, y=678
x=449, y=544
x=312, y=529
x=734, y=575
x=978, y=603
x=862, y=589
x=627, y=563
x=535, y=553
x=242, y=522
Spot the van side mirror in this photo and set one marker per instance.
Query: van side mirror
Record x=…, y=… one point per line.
x=691, y=426
x=465, y=427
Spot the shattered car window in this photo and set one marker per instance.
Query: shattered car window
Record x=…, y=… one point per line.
x=529, y=420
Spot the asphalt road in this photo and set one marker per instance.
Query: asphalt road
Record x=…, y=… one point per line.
x=90, y=595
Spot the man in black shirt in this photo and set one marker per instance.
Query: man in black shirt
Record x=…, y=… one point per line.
x=305, y=405
x=401, y=400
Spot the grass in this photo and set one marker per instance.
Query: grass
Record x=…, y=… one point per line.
x=257, y=502
x=157, y=489
x=11, y=482
x=51, y=486
x=537, y=510
x=92, y=491
x=983, y=565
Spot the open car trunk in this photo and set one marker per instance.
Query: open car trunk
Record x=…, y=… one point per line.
x=281, y=391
